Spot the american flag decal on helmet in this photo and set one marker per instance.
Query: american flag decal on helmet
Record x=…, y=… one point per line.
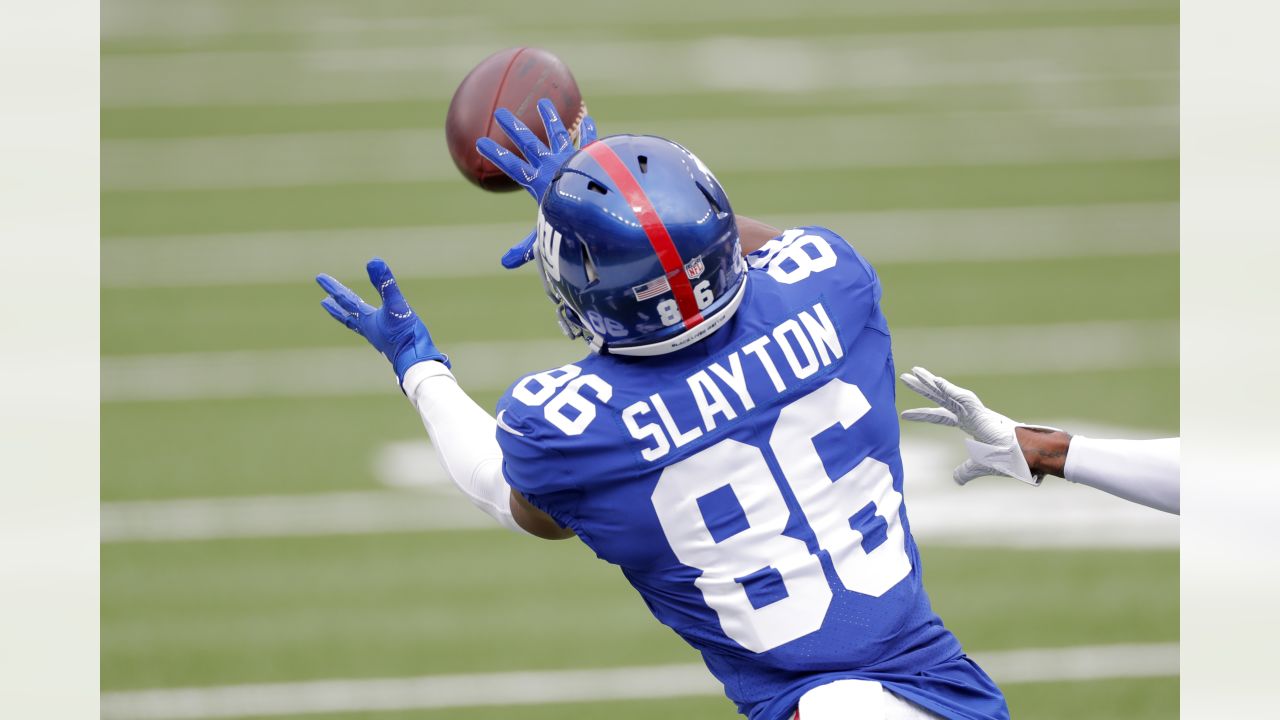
x=654, y=288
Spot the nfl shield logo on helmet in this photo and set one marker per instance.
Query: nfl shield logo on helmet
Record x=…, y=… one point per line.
x=695, y=268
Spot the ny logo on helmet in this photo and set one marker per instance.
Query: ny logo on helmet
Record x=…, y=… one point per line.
x=549, y=248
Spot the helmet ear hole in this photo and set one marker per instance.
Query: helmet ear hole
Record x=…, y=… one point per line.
x=589, y=267
x=594, y=186
x=711, y=199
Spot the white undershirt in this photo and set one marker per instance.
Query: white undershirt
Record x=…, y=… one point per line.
x=465, y=438
x=1141, y=471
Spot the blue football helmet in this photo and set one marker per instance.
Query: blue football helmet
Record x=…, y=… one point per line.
x=638, y=247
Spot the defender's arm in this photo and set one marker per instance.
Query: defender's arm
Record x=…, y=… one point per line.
x=1146, y=472
x=1141, y=471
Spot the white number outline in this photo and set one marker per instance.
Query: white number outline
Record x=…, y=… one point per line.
x=572, y=397
x=562, y=388
x=669, y=309
x=826, y=504
x=791, y=246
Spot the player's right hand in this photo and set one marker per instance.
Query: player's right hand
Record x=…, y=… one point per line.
x=538, y=167
x=520, y=253
x=993, y=449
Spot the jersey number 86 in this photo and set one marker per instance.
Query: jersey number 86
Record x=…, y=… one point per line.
x=753, y=552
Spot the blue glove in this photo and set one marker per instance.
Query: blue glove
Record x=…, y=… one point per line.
x=394, y=329
x=535, y=172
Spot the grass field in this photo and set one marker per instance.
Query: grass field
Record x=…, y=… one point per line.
x=1010, y=167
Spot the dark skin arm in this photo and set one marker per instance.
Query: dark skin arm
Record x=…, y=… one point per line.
x=536, y=522
x=1045, y=450
x=753, y=234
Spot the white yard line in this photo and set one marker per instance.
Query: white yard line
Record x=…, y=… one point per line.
x=1036, y=349
x=204, y=19
x=1087, y=662
x=991, y=513
x=490, y=366
x=926, y=235
x=1038, y=58
x=268, y=516
x=350, y=370
x=830, y=141
x=428, y=251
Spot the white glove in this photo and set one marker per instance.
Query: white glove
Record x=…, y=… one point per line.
x=994, y=449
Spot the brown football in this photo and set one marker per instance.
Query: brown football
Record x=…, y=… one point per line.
x=515, y=78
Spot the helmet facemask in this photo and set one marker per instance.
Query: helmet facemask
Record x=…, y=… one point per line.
x=570, y=324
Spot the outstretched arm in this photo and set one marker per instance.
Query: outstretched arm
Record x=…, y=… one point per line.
x=463, y=433
x=465, y=436
x=1146, y=472
x=1141, y=471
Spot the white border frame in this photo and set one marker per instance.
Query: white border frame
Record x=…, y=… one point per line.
x=1230, y=255
x=49, y=622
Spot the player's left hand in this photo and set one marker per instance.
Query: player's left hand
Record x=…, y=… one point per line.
x=535, y=171
x=993, y=449
x=394, y=329
x=540, y=162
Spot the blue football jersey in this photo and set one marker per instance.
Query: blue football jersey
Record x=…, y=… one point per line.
x=750, y=488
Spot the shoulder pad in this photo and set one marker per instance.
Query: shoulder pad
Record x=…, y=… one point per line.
x=546, y=416
x=802, y=252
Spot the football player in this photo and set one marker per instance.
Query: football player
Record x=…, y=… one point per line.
x=1141, y=471
x=729, y=441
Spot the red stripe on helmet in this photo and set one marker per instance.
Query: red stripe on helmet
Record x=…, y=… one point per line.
x=659, y=238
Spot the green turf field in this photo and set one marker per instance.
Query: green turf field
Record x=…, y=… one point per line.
x=1009, y=166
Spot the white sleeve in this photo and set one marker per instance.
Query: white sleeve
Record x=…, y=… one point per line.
x=1141, y=471
x=464, y=437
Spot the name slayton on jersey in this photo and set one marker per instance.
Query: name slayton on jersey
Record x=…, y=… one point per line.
x=804, y=344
